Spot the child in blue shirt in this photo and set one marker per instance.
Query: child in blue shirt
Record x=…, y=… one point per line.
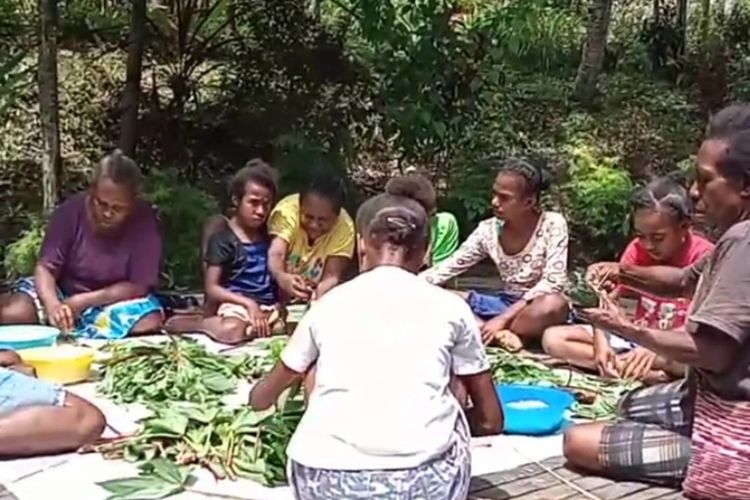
x=236, y=278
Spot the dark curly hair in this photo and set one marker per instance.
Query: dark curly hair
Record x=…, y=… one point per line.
x=256, y=171
x=327, y=185
x=415, y=186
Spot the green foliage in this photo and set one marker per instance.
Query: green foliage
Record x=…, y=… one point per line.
x=230, y=443
x=13, y=77
x=21, y=255
x=183, y=209
x=180, y=369
x=365, y=86
x=579, y=291
x=157, y=478
x=597, y=202
x=534, y=35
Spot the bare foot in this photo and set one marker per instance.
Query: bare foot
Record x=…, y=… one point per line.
x=184, y=324
x=508, y=341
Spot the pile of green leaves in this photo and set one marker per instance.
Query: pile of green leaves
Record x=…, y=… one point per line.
x=231, y=443
x=513, y=368
x=180, y=369
x=597, y=397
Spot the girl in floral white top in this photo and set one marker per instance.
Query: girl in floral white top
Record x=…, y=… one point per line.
x=529, y=246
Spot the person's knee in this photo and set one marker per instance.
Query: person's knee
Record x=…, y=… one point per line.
x=231, y=331
x=581, y=445
x=9, y=358
x=553, y=340
x=552, y=307
x=90, y=421
x=18, y=309
x=541, y=313
x=148, y=323
x=571, y=442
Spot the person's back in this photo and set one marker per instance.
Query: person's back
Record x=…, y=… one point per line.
x=389, y=342
x=380, y=356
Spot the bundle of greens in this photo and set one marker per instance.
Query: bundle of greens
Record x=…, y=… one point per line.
x=513, y=368
x=229, y=443
x=177, y=370
x=597, y=397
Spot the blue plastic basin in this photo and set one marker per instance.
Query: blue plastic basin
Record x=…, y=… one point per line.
x=17, y=337
x=533, y=410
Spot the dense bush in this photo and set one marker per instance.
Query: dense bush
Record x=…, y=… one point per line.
x=597, y=203
x=183, y=209
x=21, y=255
x=368, y=87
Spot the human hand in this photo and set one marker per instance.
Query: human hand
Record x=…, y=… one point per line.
x=604, y=356
x=296, y=286
x=637, y=363
x=603, y=275
x=490, y=329
x=24, y=369
x=258, y=320
x=76, y=304
x=62, y=316
x=508, y=341
x=608, y=317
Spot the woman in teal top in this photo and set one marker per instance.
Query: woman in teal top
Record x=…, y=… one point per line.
x=444, y=234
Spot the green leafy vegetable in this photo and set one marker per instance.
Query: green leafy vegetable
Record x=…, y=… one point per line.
x=177, y=370
x=158, y=478
x=229, y=443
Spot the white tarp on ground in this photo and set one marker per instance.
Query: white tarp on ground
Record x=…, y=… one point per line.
x=75, y=476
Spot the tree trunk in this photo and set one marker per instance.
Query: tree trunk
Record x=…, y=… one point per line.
x=592, y=59
x=132, y=92
x=705, y=25
x=682, y=15
x=48, y=106
x=721, y=13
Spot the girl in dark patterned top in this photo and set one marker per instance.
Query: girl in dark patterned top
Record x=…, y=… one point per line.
x=236, y=277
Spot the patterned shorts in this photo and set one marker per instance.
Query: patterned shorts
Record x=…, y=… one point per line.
x=445, y=478
x=20, y=391
x=111, y=322
x=652, y=442
x=236, y=311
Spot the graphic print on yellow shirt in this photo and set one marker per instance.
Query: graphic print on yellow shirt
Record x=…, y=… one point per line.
x=302, y=258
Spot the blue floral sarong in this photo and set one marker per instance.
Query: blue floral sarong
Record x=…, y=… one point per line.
x=110, y=322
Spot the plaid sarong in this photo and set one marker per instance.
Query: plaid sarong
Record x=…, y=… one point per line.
x=652, y=441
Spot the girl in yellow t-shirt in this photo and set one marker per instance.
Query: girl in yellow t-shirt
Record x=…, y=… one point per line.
x=313, y=240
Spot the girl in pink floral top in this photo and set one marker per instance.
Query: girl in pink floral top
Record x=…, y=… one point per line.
x=529, y=246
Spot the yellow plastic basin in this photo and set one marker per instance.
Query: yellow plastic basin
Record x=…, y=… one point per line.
x=62, y=364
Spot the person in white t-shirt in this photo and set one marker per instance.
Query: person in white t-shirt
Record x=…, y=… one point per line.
x=381, y=420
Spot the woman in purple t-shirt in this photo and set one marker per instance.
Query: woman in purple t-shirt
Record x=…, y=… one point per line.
x=99, y=262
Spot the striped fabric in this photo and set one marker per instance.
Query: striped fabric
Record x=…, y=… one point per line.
x=720, y=463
